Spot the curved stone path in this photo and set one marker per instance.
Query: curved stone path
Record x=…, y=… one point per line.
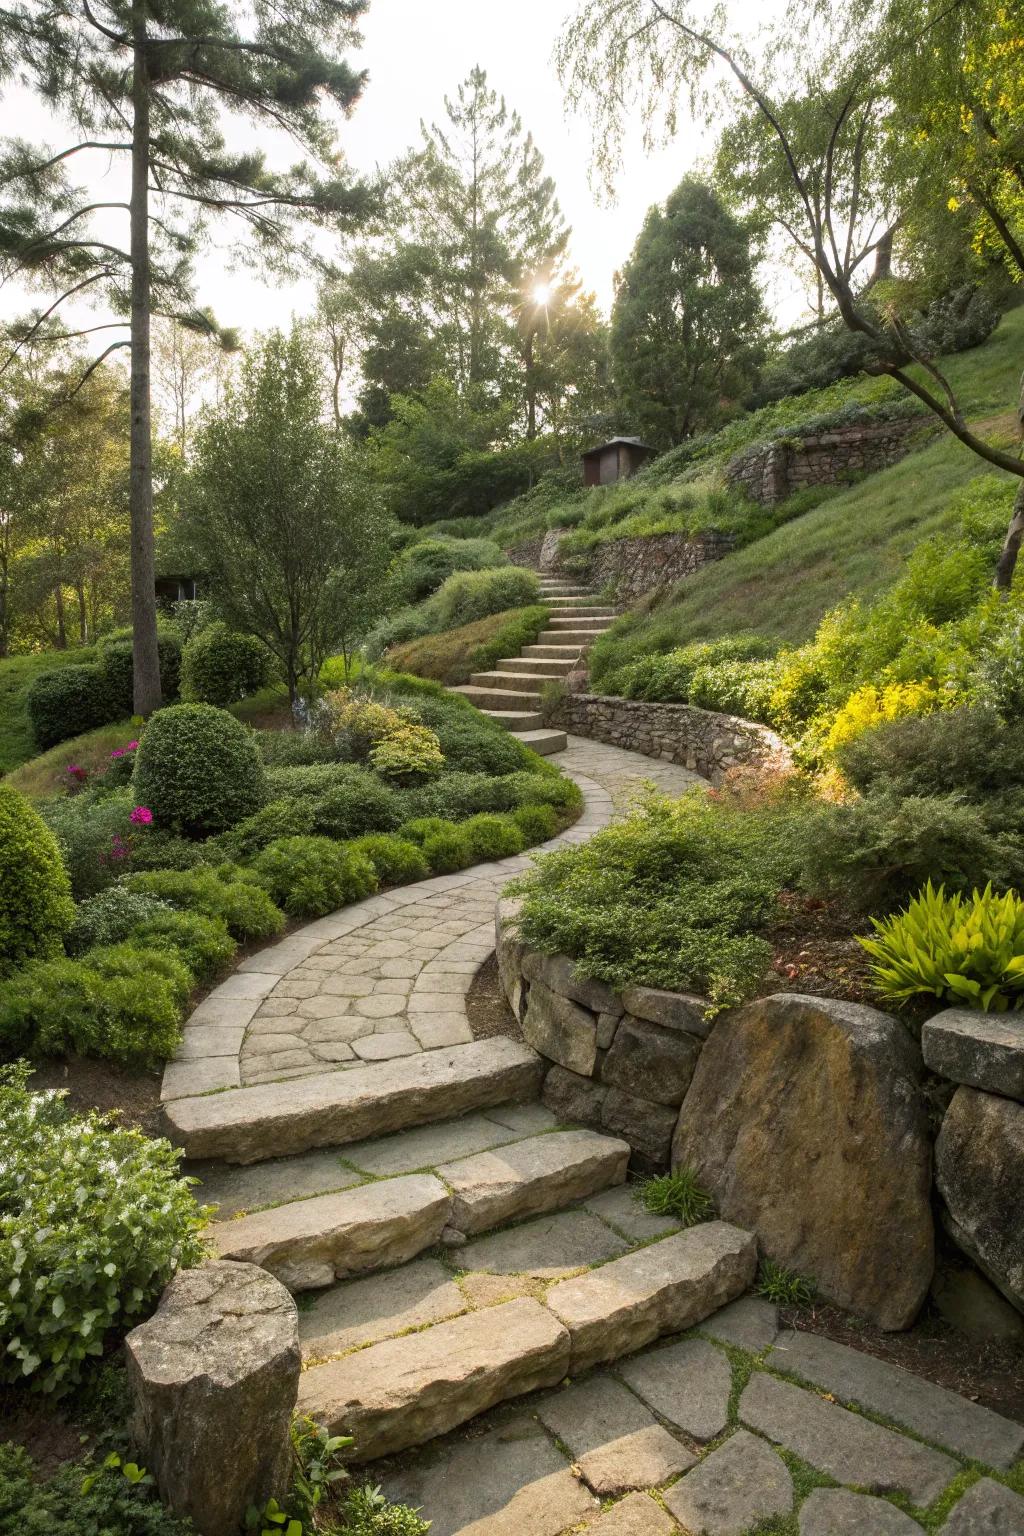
x=386, y=977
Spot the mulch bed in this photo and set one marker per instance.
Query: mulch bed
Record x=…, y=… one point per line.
x=90, y=1084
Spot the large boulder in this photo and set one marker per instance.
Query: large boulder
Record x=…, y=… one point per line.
x=979, y=1169
x=805, y=1120
x=214, y=1376
x=980, y=1050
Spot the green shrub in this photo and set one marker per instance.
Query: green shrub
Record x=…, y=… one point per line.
x=678, y=1194
x=120, y=1003
x=109, y=917
x=407, y=755
x=295, y=749
x=80, y=1499
x=454, y=796
x=396, y=860
x=243, y=906
x=198, y=770
x=470, y=742
x=537, y=823
x=163, y=850
x=68, y=702
x=287, y=817
x=427, y=564
x=447, y=850
x=669, y=678
x=203, y=943
x=968, y=951
x=671, y=896
x=873, y=854
x=492, y=837
x=220, y=666
x=36, y=909
x=95, y=837
x=421, y=827
x=970, y=752
x=95, y=1223
x=118, y=669
x=366, y=1511
x=311, y=876
x=470, y=595
x=544, y=788
x=344, y=799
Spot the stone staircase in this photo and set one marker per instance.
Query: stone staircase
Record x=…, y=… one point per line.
x=480, y=1250
x=511, y=692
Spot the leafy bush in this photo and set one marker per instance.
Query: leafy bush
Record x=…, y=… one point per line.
x=68, y=702
x=220, y=666
x=198, y=770
x=470, y=595
x=286, y=817
x=105, y=1004
x=492, y=837
x=204, y=944
x=243, y=906
x=163, y=850
x=537, y=823
x=81, y=1499
x=452, y=656
x=966, y=950
x=366, y=1511
x=967, y=751
x=93, y=1223
x=116, y=661
x=544, y=787
x=109, y=917
x=36, y=909
x=427, y=564
x=678, y=1194
x=295, y=749
x=872, y=854
x=668, y=678
x=96, y=838
x=310, y=876
x=671, y=896
x=870, y=706
x=396, y=860
x=471, y=742
x=454, y=796
x=407, y=754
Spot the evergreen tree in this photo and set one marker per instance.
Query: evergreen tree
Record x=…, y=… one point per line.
x=162, y=87
x=688, y=326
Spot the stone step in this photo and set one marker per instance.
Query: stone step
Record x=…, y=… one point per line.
x=509, y=682
x=405, y=1391
x=555, y=584
x=516, y=721
x=496, y=696
x=309, y=1244
x=573, y=621
x=582, y=611
x=250, y=1125
x=579, y=639
x=402, y=1391
x=528, y=1178
x=545, y=743
x=568, y=653
x=541, y=666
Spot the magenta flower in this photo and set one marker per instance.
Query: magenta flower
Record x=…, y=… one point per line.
x=118, y=752
x=119, y=849
x=77, y=772
x=132, y=746
x=142, y=816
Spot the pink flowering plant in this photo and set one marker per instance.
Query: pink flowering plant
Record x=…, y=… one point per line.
x=141, y=816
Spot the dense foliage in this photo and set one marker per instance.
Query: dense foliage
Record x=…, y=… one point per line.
x=220, y=666
x=35, y=894
x=198, y=770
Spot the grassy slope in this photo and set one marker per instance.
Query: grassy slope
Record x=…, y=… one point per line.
x=855, y=542
x=451, y=656
x=17, y=673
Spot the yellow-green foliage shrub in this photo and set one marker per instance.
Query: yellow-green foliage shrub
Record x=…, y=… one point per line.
x=967, y=950
x=36, y=909
x=870, y=706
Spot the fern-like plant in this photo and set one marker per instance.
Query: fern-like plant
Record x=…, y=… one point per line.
x=678, y=1195
x=966, y=950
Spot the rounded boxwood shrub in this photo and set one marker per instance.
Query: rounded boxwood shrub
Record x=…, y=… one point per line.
x=119, y=670
x=68, y=702
x=203, y=943
x=241, y=904
x=198, y=770
x=537, y=823
x=221, y=666
x=447, y=850
x=396, y=860
x=310, y=876
x=36, y=909
x=96, y=1221
x=493, y=837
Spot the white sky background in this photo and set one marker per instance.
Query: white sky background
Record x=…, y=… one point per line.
x=417, y=51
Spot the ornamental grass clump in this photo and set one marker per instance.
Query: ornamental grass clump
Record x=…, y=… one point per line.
x=967, y=950
x=94, y=1221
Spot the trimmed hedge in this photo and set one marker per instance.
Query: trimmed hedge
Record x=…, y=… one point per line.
x=68, y=702
x=244, y=907
x=116, y=662
x=221, y=666
x=198, y=770
x=36, y=909
x=311, y=876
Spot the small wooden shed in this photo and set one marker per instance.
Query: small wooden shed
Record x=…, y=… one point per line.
x=614, y=460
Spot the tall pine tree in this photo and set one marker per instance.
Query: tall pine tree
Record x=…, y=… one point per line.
x=162, y=86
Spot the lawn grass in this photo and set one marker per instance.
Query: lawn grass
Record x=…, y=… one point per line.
x=17, y=673
x=46, y=774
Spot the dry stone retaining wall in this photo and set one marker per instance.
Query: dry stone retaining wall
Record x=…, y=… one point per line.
x=769, y=472
x=640, y=565
x=698, y=739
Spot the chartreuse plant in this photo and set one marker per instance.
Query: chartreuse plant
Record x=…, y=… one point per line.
x=966, y=950
x=94, y=1221
x=778, y=1284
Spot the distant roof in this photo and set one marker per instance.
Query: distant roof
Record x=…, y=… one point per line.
x=634, y=442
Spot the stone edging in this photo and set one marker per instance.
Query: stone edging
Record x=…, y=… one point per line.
x=698, y=739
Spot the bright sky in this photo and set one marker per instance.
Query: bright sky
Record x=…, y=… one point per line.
x=416, y=52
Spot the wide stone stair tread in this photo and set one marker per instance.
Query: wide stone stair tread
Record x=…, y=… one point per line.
x=516, y=720
x=541, y=666
x=499, y=696
x=520, y=683
x=248, y=1125
x=381, y=1306
x=577, y=638
x=527, y=1178
x=404, y=1391
x=552, y=652
x=544, y=742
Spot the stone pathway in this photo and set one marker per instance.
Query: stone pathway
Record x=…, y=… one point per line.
x=386, y=977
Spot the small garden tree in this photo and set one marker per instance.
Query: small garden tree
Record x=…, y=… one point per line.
x=294, y=544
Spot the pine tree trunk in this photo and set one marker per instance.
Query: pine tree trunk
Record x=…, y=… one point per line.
x=145, y=657
x=1011, y=545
